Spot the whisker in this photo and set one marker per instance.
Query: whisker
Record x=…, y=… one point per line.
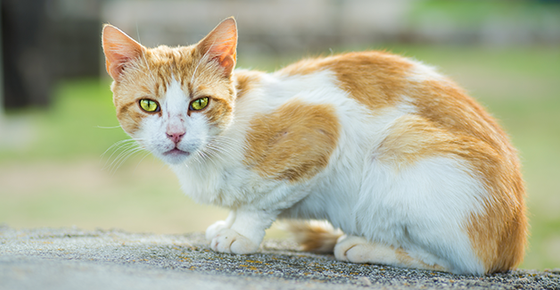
x=161, y=166
x=117, y=160
x=110, y=127
x=121, y=151
x=147, y=153
x=215, y=153
x=123, y=157
x=224, y=144
x=116, y=146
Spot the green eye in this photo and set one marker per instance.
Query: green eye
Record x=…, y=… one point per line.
x=199, y=104
x=149, y=105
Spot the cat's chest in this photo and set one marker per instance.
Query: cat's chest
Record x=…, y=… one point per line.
x=232, y=186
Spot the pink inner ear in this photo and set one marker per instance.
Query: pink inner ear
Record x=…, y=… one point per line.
x=115, y=67
x=228, y=63
x=119, y=49
x=221, y=45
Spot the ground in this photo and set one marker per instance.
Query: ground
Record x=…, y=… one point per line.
x=71, y=258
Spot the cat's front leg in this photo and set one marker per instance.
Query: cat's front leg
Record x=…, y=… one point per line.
x=245, y=234
x=213, y=230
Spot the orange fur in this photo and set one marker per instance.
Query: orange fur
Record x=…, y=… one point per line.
x=404, y=258
x=246, y=81
x=313, y=236
x=282, y=144
x=375, y=79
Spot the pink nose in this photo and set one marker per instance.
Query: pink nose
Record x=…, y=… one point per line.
x=175, y=136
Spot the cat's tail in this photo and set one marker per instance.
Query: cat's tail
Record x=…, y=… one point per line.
x=313, y=235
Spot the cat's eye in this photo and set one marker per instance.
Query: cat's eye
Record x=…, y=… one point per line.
x=199, y=103
x=148, y=105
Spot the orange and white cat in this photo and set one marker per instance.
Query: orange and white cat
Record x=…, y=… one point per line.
x=384, y=148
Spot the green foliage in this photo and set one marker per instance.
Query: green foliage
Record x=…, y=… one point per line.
x=474, y=14
x=80, y=122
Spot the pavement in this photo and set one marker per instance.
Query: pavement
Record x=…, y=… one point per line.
x=70, y=258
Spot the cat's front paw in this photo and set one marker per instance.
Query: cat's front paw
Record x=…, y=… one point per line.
x=229, y=241
x=213, y=230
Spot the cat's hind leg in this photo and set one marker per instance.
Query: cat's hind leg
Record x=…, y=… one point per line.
x=358, y=250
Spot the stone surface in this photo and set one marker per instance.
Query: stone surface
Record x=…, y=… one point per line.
x=76, y=259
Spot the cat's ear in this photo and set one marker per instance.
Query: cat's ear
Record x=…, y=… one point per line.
x=119, y=49
x=221, y=45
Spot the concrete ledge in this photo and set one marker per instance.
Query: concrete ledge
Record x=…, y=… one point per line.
x=76, y=259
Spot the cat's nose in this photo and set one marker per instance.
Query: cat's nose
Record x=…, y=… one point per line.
x=175, y=136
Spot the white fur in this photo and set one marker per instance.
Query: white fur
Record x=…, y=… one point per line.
x=422, y=208
x=174, y=107
x=421, y=72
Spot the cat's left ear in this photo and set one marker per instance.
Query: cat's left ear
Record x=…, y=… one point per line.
x=221, y=45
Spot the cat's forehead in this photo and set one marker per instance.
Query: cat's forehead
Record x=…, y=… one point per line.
x=170, y=59
x=162, y=65
x=153, y=72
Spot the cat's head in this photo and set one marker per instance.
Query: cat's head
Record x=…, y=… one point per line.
x=173, y=101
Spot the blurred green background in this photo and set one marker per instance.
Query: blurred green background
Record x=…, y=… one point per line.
x=58, y=169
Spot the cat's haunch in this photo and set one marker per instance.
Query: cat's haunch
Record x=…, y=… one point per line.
x=413, y=171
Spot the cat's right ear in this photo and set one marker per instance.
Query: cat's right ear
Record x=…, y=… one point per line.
x=119, y=49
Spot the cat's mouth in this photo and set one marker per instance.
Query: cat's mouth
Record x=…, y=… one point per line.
x=176, y=152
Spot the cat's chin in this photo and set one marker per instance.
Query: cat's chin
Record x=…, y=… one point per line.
x=175, y=156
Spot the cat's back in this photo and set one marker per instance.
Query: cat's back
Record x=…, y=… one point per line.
x=379, y=80
x=422, y=114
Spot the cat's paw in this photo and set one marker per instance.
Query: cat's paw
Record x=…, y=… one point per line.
x=229, y=241
x=213, y=230
x=353, y=249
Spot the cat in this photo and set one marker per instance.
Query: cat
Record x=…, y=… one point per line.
x=413, y=171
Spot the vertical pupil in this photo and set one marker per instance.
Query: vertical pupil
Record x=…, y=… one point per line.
x=149, y=105
x=199, y=104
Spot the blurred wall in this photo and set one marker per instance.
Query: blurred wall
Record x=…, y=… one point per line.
x=282, y=26
x=45, y=40
x=275, y=26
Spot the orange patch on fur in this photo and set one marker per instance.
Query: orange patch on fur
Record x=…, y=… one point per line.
x=129, y=116
x=499, y=235
x=246, y=80
x=314, y=236
x=375, y=79
x=218, y=113
x=293, y=142
x=405, y=259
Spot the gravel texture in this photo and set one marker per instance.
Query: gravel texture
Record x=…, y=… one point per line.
x=111, y=259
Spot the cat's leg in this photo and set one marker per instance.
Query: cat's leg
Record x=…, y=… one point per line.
x=213, y=230
x=245, y=234
x=359, y=250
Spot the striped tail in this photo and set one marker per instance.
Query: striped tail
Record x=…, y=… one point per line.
x=313, y=235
